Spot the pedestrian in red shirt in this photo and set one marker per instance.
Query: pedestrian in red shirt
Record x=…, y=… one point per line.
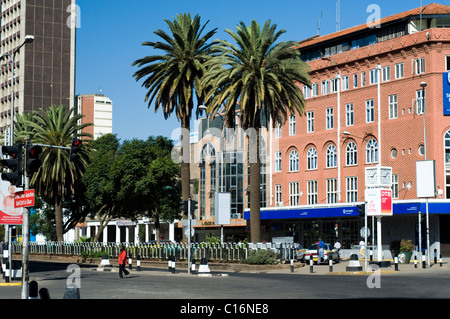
x=123, y=262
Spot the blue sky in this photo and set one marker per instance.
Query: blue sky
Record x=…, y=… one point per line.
x=111, y=33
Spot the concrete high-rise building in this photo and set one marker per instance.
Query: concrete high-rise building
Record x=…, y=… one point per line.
x=44, y=69
x=98, y=110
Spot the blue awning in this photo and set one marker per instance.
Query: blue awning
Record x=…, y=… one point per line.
x=346, y=210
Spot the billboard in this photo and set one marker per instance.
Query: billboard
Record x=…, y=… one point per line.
x=426, y=179
x=223, y=208
x=8, y=214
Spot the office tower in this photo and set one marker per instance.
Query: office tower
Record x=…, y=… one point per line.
x=45, y=68
x=98, y=110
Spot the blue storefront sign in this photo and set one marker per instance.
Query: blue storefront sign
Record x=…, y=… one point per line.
x=446, y=92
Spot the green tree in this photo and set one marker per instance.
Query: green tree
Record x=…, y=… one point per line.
x=147, y=180
x=56, y=179
x=262, y=77
x=173, y=78
x=101, y=199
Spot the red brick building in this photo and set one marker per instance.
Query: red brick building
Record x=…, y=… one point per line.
x=367, y=106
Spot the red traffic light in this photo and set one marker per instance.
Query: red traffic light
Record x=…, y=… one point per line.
x=77, y=143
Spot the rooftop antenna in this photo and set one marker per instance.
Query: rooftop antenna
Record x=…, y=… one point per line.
x=338, y=15
x=318, y=26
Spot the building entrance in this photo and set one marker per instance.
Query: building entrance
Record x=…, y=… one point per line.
x=444, y=231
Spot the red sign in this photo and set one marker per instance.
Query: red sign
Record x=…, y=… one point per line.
x=24, y=199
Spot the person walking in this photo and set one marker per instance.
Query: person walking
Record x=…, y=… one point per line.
x=321, y=253
x=123, y=262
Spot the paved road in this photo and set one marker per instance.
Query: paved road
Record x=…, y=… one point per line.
x=408, y=282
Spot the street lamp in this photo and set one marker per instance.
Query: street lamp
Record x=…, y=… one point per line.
x=423, y=85
x=28, y=39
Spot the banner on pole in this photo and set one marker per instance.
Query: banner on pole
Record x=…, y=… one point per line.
x=379, y=202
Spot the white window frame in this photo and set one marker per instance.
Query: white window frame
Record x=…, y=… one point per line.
x=420, y=101
x=325, y=87
x=349, y=114
x=278, y=163
x=363, y=79
x=311, y=158
x=312, y=192
x=330, y=118
x=278, y=195
x=355, y=80
x=294, y=161
x=372, y=152
x=331, y=156
x=345, y=83
x=393, y=106
x=386, y=73
x=352, y=189
x=399, y=70
x=294, y=193
x=351, y=154
x=419, y=66
x=315, y=90
x=370, y=111
x=306, y=92
x=394, y=187
x=332, y=191
x=334, y=85
x=292, y=127
x=373, y=76
x=278, y=131
x=310, y=122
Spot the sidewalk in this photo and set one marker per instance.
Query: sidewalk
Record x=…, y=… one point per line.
x=299, y=268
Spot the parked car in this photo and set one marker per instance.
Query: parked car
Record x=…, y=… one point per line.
x=329, y=253
x=300, y=253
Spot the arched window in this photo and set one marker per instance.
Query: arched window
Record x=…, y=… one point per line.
x=208, y=157
x=447, y=147
x=372, y=152
x=293, y=161
x=312, y=158
x=351, y=154
x=331, y=156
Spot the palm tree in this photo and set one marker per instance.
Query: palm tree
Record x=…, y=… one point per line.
x=55, y=179
x=261, y=77
x=173, y=78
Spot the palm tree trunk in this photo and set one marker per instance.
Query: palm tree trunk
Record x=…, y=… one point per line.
x=185, y=163
x=255, y=181
x=59, y=220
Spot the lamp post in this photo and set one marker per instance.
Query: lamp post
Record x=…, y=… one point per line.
x=28, y=39
x=423, y=85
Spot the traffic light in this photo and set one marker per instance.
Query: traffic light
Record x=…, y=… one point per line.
x=75, y=148
x=14, y=164
x=193, y=205
x=361, y=209
x=33, y=162
x=184, y=206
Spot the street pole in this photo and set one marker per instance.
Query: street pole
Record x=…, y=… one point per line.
x=25, y=233
x=25, y=245
x=189, y=236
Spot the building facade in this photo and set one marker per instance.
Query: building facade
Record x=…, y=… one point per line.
x=44, y=69
x=377, y=98
x=98, y=110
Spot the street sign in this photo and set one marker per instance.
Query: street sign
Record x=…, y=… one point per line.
x=24, y=199
x=186, y=232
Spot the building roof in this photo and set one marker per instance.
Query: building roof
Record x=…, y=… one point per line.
x=431, y=9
